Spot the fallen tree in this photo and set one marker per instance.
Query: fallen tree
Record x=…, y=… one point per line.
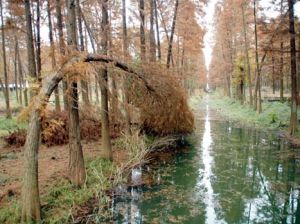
x=154, y=99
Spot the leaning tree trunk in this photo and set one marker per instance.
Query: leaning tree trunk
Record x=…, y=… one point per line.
x=76, y=162
x=293, y=119
x=172, y=34
x=6, y=88
x=106, y=144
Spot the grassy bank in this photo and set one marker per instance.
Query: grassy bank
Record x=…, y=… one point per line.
x=275, y=115
x=62, y=198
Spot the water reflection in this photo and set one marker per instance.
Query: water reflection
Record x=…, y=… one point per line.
x=233, y=175
x=207, y=160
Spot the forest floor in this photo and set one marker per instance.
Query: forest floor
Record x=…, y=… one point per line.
x=53, y=164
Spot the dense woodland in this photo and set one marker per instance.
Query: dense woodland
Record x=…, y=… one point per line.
x=100, y=69
x=256, y=56
x=132, y=62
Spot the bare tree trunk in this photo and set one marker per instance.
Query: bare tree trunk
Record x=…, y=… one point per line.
x=31, y=208
x=30, y=190
x=152, y=35
x=247, y=57
x=21, y=76
x=125, y=80
x=106, y=144
x=38, y=39
x=142, y=29
x=281, y=57
x=19, y=70
x=6, y=89
x=62, y=49
x=89, y=30
x=172, y=34
x=167, y=35
x=293, y=120
x=258, y=78
x=30, y=46
x=16, y=70
x=83, y=83
x=76, y=162
x=273, y=74
x=157, y=30
x=53, y=61
x=97, y=89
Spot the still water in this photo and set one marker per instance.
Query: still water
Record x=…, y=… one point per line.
x=231, y=175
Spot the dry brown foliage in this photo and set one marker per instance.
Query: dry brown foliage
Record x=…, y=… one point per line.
x=16, y=138
x=165, y=110
x=55, y=129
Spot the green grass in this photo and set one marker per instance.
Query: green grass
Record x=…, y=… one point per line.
x=9, y=125
x=274, y=115
x=62, y=197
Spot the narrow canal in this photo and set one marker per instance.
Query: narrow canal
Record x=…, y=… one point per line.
x=231, y=175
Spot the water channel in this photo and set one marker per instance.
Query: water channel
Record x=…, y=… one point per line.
x=231, y=175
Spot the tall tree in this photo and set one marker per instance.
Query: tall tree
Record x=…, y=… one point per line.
x=172, y=34
x=30, y=47
x=38, y=39
x=246, y=45
x=31, y=207
x=157, y=30
x=126, y=57
x=142, y=29
x=62, y=49
x=257, y=94
x=151, y=34
x=76, y=162
x=106, y=143
x=52, y=48
x=293, y=119
x=6, y=87
x=83, y=83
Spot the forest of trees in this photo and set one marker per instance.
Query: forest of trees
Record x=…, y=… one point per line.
x=135, y=64
x=257, y=54
x=72, y=52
